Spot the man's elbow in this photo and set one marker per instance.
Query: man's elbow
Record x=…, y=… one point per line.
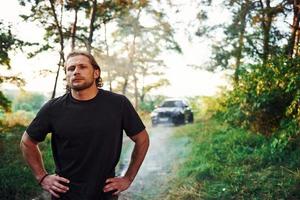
x=143, y=138
x=26, y=142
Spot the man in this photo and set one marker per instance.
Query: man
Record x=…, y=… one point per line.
x=87, y=125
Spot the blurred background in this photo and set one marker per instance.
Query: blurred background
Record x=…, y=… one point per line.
x=235, y=63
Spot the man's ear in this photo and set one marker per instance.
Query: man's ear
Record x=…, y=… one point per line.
x=97, y=73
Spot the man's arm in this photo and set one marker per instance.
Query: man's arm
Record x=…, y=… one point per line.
x=33, y=157
x=120, y=184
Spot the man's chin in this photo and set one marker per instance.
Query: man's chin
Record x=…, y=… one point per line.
x=80, y=87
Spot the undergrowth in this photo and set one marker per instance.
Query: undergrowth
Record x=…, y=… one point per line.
x=232, y=163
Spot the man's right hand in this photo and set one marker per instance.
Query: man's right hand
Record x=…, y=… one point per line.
x=53, y=185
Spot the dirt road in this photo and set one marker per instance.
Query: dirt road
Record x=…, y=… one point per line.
x=164, y=154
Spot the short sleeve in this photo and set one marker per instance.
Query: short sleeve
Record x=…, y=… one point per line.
x=40, y=126
x=131, y=122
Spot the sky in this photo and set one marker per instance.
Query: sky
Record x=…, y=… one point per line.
x=185, y=81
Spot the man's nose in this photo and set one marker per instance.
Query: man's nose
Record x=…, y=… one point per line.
x=76, y=70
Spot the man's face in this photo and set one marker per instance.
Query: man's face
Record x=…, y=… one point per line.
x=80, y=73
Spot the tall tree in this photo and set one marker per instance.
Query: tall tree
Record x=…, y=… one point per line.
x=292, y=48
x=143, y=42
x=250, y=36
x=60, y=29
x=58, y=25
x=267, y=14
x=8, y=42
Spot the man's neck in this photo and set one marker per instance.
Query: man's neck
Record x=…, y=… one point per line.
x=86, y=94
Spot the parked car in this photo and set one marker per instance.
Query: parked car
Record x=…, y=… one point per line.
x=172, y=111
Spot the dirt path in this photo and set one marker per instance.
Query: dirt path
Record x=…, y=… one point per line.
x=164, y=153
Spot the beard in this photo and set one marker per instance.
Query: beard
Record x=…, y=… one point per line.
x=81, y=86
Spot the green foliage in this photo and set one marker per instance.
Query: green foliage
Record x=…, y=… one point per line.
x=16, y=179
x=231, y=163
x=4, y=103
x=18, y=118
x=265, y=96
x=7, y=41
x=196, y=104
x=149, y=103
x=30, y=102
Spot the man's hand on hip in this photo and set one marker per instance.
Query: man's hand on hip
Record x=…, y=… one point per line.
x=117, y=184
x=53, y=185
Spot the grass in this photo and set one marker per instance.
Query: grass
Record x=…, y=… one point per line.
x=231, y=163
x=16, y=179
x=223, y=163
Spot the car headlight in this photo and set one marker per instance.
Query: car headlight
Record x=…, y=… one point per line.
x=154, y=114
x=178, y=111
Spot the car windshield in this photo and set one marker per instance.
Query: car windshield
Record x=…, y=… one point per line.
x=172, y=104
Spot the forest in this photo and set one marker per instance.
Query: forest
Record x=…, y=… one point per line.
x=245, y=142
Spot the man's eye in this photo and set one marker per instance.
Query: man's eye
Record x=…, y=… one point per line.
x=70, y=68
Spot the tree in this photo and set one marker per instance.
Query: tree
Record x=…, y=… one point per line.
x=8, y=42
x=53, y=15
x=84, y=30
x=30, y=102
x=262, y=53
x=251, y=35
x=292, y=47
x=142, y=43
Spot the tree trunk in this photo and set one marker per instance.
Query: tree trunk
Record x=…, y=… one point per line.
x=124, y=88
x=297, y=43
x=136, y=92
x=243, y=14
x=73, y=30
x=61, y=42
x=143, y=92
x=56, y=79
x=92, y=26
x=107, y=54
x=292, y=45
x=266, y=22
x=132, y=60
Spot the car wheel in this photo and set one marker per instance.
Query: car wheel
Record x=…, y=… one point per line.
x=179, y=120
x=191, y=119
x=154, y=124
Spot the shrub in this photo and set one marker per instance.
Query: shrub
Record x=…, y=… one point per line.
x=16, y=179
x=264, y=96
x=232, y=163
x=19, y=118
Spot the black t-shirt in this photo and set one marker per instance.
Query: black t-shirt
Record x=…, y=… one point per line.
x=86, y=138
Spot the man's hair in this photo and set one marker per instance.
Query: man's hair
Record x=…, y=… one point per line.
x=92, y=60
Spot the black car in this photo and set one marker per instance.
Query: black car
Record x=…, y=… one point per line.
x=172, y=111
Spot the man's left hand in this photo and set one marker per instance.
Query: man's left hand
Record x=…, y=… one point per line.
x=117, y=184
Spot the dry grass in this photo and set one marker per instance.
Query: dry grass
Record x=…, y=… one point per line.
x=185, y=192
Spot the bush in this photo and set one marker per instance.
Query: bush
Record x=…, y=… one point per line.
x=16, y=179
x=264, y=96
x=19, y=118
x=231, y=163
x=150, y=102
x=28, y=101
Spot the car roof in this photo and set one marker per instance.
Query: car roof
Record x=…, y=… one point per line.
x=176, y=99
